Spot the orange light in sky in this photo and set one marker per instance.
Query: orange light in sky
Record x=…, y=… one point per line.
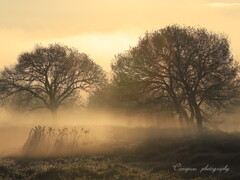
x=104, y=28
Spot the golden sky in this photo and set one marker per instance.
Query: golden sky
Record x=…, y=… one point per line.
x=103, y=28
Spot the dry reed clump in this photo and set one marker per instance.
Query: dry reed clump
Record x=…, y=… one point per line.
x=45, y=141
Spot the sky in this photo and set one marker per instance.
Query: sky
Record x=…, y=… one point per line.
x=104, y=28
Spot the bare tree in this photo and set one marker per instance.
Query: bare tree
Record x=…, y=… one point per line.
x=190, y=71
x=48, y=76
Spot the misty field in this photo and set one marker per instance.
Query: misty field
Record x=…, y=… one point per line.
x=169, y=109
x=123, y=153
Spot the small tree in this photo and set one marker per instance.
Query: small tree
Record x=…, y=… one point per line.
x=48, y=76
x=187, y=70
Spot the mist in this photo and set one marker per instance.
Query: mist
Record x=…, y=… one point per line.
x=169, y=106
x=112, y=129
x=104, y=126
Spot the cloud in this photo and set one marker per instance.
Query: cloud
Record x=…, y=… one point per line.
x=223, y=4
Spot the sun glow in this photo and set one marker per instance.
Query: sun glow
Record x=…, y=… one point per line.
x=99, y=46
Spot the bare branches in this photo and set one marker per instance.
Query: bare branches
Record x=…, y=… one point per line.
x=52, y=74
x=193, y=67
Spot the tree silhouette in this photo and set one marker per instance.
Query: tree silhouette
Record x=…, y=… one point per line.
x=187, y=70
x=48, y=76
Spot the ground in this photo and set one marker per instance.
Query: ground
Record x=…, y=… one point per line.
x=152, y=157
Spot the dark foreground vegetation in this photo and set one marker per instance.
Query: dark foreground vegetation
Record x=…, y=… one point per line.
x=151, y=158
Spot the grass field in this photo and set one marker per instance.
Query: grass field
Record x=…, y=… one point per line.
x=136, y=153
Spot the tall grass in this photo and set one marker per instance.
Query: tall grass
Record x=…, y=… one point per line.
x=45, y=141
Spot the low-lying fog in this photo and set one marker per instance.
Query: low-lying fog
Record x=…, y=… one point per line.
x=95, y=126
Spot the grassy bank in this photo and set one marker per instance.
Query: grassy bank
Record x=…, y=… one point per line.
x=148, y=154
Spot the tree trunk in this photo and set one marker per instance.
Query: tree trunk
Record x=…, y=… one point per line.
x=54, y=116
x=198, y=118
x=184, y=118
x=196, y=110
x=198, y=115
x=53, y=108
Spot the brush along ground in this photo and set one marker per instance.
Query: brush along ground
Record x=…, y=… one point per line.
x=152, y=158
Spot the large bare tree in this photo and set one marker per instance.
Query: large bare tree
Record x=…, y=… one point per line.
x=188, y=70
x=48, y=76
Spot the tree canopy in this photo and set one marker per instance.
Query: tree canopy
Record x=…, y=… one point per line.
x=187, y=70
x=48, y=76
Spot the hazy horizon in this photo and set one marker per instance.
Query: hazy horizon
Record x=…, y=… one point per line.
x=102, y=29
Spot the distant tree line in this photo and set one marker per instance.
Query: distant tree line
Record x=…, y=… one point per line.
x=184, y=70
